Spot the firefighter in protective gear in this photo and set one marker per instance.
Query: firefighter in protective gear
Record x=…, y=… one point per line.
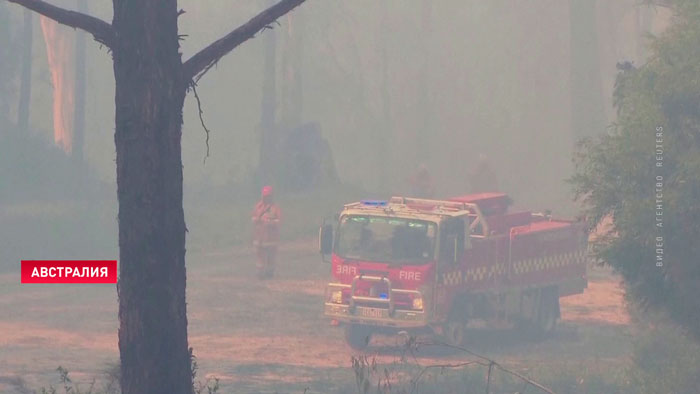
x=266, y=218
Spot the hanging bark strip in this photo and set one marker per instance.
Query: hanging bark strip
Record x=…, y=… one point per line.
x=59, y=51
x=151, y=84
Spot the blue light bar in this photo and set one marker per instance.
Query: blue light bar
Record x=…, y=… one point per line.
x=375, y=203
x=383, y=296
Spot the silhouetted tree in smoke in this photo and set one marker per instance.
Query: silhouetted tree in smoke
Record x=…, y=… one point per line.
x=25, y=86
x=151, y=84
x=587, y=104
x=80, y=90
x=268, y=113
x=7, y=67
x=422, y=139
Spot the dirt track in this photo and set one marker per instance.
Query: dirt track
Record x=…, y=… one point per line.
x=263, y=336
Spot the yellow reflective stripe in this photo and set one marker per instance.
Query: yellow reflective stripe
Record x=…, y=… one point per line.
x=519, y=267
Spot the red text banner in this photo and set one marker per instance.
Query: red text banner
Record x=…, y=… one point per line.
x=69, y=271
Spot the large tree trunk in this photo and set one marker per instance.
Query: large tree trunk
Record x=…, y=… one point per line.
x=150, y=92
x=79, y=109
x=25, y=89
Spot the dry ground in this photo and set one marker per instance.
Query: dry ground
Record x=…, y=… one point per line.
x=267, y=336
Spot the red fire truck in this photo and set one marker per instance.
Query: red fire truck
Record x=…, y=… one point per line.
x=441, y=266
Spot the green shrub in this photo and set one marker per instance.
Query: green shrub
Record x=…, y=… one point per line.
x=665, y=360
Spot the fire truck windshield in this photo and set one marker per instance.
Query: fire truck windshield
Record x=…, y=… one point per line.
x=386, y=239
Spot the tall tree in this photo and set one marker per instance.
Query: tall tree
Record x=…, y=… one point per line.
x=268, y=113
x=587, y=104
x=7, y=66
x=4, y=40
x=642, y=26
x=292, y=64
x=25, y=87
x=386, y=124
x=425, y=125
x=151, y=84
x=80, y=78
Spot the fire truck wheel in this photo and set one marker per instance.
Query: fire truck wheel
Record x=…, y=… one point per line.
x=358, y=336
x=454, y=333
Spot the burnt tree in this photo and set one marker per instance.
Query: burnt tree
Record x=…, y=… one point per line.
x=80, y=81
x=25, y=89
x=292, y=99
x=268, y=111
x=151, y=84
x=587, y=103
x=425, y=123
x=5, y=69
x=387, y=126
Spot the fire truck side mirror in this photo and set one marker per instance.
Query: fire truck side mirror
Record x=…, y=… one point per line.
x=325, y=239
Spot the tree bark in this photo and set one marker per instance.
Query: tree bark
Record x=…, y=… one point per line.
x=80, y=77
x=25, y=88
x=150, y=93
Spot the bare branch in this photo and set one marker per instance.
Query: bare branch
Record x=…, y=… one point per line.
x=414, y=382
x=488, y=379
x=203, y=60
x=201, y=118
x=656, y=3
x=485, y=362
x=524, y=378
x=101, y=30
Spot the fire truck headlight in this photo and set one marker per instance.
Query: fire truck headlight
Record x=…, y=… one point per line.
x=418, y=303
x=337, y=297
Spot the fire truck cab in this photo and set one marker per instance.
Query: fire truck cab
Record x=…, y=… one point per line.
x=437, y=266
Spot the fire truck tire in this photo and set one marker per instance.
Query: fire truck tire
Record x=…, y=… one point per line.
x=548, y=312
x=358, y=336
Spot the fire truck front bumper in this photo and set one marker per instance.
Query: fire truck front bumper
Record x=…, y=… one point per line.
x=375, y=316
x=382, y=311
